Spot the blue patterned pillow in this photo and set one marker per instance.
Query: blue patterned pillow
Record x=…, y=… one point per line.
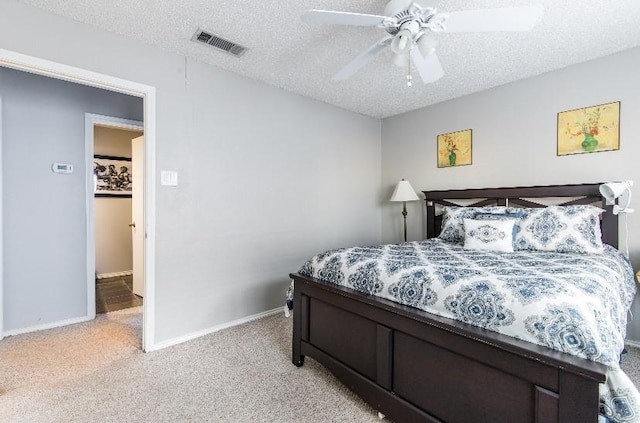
x=489, y=235
x=453, y=220
x=564, y=229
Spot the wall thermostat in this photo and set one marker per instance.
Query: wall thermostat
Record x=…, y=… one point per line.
x=62, y=168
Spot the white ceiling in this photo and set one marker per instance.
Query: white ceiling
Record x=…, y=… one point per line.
x=302, y=58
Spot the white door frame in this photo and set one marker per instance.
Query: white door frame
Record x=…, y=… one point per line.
x=1, y=235
x=90, y=121
x=51, y=69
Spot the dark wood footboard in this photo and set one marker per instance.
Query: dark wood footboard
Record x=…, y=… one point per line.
x=417, y=367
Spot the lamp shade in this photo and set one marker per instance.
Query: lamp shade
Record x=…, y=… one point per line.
x=427, y=45
x=612, y=190
x=404, y=192
x=402, y=42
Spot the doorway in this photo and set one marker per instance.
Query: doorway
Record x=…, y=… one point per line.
x=79, y=76
x=118, y=161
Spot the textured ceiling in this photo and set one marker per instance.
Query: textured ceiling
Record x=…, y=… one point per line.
x=302, y=58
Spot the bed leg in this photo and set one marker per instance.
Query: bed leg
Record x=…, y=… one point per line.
x=296, y=356
x=298, y=360
x=300, y=326
x=381, y=416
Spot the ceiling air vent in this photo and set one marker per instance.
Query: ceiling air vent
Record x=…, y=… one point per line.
x=218, y=42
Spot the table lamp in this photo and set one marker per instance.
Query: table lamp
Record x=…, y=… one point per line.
x=404, y=192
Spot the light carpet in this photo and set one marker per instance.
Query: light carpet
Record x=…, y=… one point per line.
x=96, y=372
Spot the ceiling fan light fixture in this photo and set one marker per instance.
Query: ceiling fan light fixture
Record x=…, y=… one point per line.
x=401, y=60
x=427, y=45
x=402, y=42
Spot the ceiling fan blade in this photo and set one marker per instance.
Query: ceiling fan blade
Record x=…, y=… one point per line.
x=365, y=57
x=341, y=18
x=429, y=67
x=505, y=19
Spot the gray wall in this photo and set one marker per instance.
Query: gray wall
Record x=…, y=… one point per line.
x=267, y=178
x=44, y=213
x=113, y=215
x=514, y=141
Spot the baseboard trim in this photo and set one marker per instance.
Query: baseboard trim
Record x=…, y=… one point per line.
x=114, y=274
x=46, y=326
x=198, y=334
x=632, y=343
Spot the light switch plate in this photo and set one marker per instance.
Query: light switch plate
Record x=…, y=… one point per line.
x=169, y=178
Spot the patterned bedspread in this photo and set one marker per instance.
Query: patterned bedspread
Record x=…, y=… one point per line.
x=575, y=303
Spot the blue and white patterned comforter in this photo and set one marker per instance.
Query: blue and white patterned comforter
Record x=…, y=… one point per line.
x=575, y=303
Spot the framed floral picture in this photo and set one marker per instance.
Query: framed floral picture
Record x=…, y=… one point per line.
x=454, y=148
x=589, y=130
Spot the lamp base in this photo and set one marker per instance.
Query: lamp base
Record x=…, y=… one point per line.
x=404, y=216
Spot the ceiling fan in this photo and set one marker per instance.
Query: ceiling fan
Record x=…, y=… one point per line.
x=407, y=25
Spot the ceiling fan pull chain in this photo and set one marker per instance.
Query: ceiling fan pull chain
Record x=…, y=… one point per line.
x=409, y=77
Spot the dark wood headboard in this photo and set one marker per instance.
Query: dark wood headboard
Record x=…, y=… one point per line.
x=580, y=194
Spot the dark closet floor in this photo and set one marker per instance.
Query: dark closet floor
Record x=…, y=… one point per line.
x=115, y=294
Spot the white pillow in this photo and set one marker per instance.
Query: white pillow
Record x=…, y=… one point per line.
x=453, y=216
x=489, y=235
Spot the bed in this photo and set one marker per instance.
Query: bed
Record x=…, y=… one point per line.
x=416, y=366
